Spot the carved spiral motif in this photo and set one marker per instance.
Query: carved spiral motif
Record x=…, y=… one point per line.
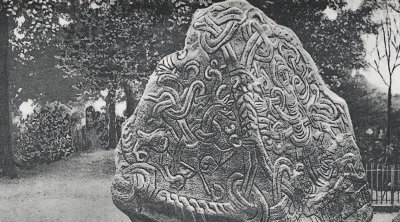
x=239, y=125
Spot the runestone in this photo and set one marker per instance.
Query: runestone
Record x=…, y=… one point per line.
x=239, y=126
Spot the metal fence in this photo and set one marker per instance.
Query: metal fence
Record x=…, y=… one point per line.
x=384, y=181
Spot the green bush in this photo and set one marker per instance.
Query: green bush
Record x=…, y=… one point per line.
x=45, y=136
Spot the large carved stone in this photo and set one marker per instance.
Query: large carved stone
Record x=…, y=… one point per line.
x=239, y=126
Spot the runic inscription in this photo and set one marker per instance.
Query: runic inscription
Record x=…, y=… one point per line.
x=239, y=126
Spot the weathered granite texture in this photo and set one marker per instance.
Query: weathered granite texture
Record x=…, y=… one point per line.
x=397, y=217
x=239, y=126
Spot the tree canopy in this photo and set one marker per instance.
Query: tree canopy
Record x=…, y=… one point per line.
x=116, y=44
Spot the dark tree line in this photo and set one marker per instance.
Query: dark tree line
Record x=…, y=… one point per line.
x=8, y=167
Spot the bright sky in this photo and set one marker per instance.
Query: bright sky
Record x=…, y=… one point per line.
x=63, y=21
x=369, y=43
x=27, y=108
x=100, y=104
x=371, y=75
x=17, y=31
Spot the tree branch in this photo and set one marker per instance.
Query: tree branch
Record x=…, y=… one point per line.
x=377, y=47
x=394, y=8
x=394, y=67
x=378, y=71
x=386, y=43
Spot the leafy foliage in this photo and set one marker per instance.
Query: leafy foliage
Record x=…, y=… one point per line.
x=108, y=42
x=45, y=136
x=117, y=40
x=112, y=42
x=368, y=113
x=335, y=45
x=36, y=22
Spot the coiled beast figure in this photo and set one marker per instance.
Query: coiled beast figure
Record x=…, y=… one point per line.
x=239, y=126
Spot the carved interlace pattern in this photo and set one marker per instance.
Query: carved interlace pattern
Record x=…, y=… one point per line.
x=240, y=125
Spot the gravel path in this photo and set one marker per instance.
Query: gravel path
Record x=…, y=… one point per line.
x=74, y=190
x=383, y=217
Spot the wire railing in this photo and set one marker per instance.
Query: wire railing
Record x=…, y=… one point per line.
x=384, y=181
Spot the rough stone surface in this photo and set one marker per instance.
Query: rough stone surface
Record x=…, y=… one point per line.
x=239, y=126
x=397, y=218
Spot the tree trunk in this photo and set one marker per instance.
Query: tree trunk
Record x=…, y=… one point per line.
x=389, y=113
x=130, y=98
x=5, y=131
x=112, y=125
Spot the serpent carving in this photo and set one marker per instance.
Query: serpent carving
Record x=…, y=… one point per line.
x=239, y=126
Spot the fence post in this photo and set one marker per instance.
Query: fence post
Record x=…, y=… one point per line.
x=383, y=188
x=386, y=183
x=392, y=171
x=376, y=182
